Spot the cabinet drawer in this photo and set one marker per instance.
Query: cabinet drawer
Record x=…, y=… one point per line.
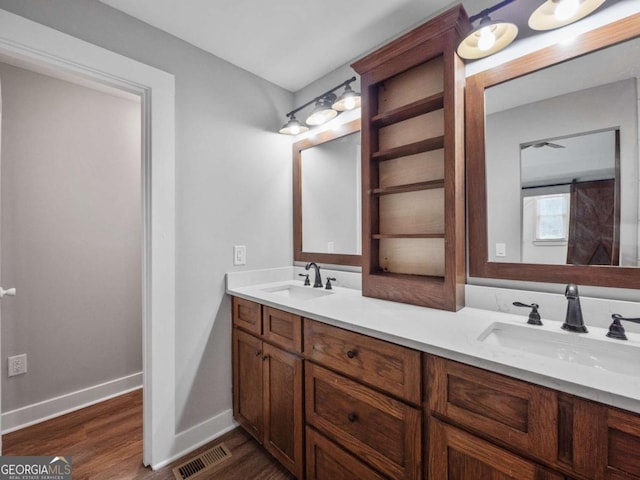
x=509, y=411
x=327, y=461
x=376, y=428
x=381, y=364
x=282, y=328
x=247, y=315
x=455, y=454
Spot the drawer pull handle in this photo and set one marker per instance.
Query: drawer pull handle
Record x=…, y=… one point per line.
x=352, y=354
x=352, y=417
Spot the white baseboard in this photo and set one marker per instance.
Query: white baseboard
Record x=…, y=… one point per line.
x=199, y=435
x=54, y=407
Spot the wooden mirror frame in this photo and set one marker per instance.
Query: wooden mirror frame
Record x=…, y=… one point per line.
x=479, y=266
x=298, y=254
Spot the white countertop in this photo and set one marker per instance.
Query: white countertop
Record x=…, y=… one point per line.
x=453, y=335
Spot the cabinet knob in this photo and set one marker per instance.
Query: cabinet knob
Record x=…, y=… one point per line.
x=352, y=353
x=258, y=353
x=352, y=417
x=265, y=357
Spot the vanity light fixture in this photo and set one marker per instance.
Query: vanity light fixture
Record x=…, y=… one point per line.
x=322, y=112
x=327, y=106
x=489, y=36
x=293, y=126
x=558, y=13
x=349, y=100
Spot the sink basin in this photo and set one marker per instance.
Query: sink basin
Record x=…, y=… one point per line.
x=580, y=349
x=298, y=292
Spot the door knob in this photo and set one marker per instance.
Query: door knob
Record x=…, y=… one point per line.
x=10, y=291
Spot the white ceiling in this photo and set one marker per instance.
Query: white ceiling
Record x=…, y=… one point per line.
x=288, y=42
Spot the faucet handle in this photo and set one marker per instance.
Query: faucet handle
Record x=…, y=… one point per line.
x=534, y=316
x=306, y=279
x=616, y=330
x=328, y=286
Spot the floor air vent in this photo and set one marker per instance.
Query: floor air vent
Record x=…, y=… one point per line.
x=203, y=462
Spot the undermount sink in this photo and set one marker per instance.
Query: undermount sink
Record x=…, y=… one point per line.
x=298, y=292
x=569, y=347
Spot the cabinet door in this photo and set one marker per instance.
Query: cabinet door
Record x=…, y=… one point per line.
x=606, y=441
x=327, y=461
x=458, y=455
x=283, y=408
x=247, y=382
x=623, y=440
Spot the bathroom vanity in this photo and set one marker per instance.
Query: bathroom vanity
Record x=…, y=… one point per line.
x=341, y=385
x=337, y=385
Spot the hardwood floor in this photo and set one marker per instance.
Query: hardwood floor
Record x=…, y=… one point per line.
x=105, y=441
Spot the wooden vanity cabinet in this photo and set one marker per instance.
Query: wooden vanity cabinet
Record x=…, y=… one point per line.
x=268, y=382
x=375, y=410
x=475, y=411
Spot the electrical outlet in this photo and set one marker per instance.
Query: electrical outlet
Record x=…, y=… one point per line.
x=501, y=249
x=17, y=364
x=240, y=255
x=331, y=247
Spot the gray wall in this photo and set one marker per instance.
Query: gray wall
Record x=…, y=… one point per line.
x=71, y=236
x=233, y=184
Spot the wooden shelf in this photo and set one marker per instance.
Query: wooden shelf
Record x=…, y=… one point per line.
x=382, y=236
x=425, y=279
x=411, y=149
x=412, y=187
x=419, y=107
x=413, y=141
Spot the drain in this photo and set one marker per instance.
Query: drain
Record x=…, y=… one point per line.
x=203, y=462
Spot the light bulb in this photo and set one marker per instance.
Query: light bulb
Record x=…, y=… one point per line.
x=349, y=103
x=295, y=129
x=487, y=39
x=566, y=9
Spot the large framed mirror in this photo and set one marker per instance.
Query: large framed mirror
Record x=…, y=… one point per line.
x=327, y=197
x=553, y=163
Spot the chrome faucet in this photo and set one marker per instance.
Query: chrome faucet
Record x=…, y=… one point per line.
x=573, y=321
x=317, y=282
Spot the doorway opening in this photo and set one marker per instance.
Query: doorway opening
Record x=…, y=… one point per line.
x=71, y=242
x=49, y=51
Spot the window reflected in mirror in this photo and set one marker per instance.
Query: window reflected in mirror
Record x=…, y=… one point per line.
x=569, y=209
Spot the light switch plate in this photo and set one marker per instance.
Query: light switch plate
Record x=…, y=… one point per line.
x=501, y=249
x=240, y=255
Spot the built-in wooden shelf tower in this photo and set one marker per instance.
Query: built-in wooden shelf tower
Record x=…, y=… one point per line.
x=413, y=166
